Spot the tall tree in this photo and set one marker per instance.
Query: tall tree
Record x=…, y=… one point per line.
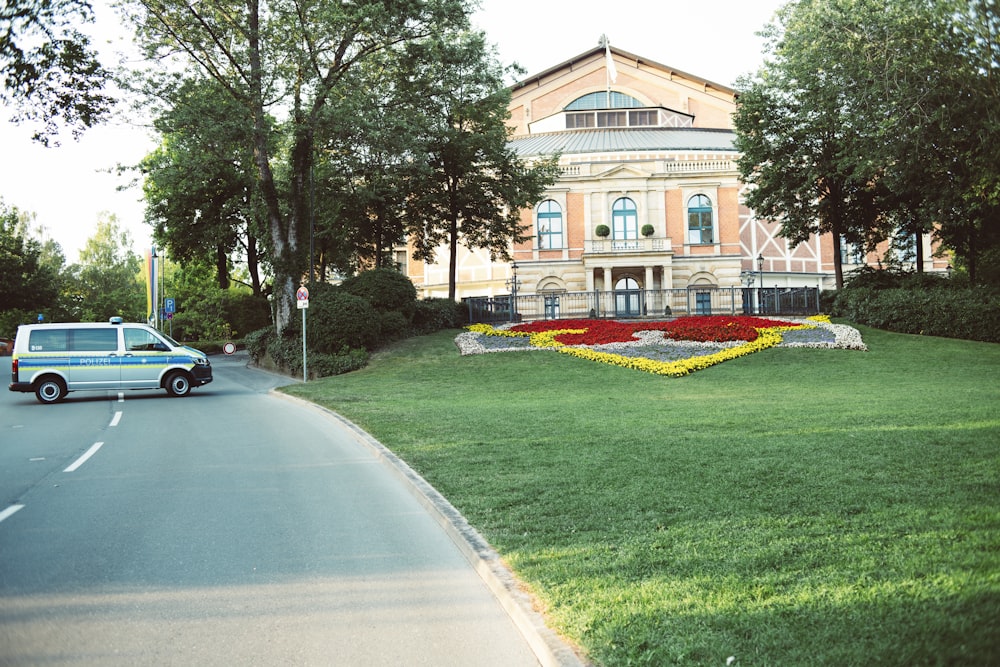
x=29, y=271
x=468, y=186
x=107, y=281
x=906, y=95
x=290, y=55
x=199, y=183
x=49, y=71
x=798, y=138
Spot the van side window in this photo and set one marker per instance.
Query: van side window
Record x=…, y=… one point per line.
x=48, y=340
x=94, y=340
x=140, y=340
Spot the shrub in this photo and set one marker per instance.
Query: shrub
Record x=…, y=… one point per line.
x=972, y=313
x=337, y=319
x=602, y=230
x=245, y=313
x=647, y=230
x=385, y=290
x=436, y=314
x=392, y=326
x=323, y=365
x=256, y=343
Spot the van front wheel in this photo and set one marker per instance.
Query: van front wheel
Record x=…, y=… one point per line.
x=178, y=384
x=50, y=390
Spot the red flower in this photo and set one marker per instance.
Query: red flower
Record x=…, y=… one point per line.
x=703, y=328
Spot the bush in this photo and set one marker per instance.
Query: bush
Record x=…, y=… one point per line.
x=256, y=343
x=385, y=290
x=337, y=319
x=971, y=313
x=393, y=326
x=436, y=314
x=323, y=365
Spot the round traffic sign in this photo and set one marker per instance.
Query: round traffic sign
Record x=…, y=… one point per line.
x=229, y=348
x=302, y=294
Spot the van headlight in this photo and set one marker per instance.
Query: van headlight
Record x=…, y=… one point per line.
x=200, y=361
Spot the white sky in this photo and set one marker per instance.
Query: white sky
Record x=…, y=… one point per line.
x=69, y=187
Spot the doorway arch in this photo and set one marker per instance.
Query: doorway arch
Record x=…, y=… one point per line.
x=628, y=297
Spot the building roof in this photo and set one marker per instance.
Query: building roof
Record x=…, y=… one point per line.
x=624, y=139
x=534, y=79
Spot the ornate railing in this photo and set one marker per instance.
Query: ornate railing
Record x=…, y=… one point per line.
x=651, y=304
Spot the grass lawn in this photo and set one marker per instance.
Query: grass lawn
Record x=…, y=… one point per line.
x=792, y=507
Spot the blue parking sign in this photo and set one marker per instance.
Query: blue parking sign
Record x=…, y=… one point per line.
x=169, y=306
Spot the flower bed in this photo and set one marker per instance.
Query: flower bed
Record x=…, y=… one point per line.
x=673, y=348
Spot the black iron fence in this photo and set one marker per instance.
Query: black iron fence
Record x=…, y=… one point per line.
x=652, y=304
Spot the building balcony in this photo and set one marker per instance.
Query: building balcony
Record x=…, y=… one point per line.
x=626, y=246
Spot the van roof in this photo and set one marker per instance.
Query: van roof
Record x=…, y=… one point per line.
x=80, y=325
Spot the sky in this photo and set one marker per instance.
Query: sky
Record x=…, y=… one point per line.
x=69, y=188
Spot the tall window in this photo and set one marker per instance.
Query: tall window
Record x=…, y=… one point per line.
x=700, y=228
x=624, y=220
x=550, y=225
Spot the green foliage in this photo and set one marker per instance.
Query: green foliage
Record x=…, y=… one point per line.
x=48, y=70
x=265, y=346
x=971, y=313
x=337, y=319
x=468, y=186
x=436, y=314
x=872, y=116
x=108, y=280
x=199, y=183
x=283, y=55
x=256, y=343
x=29, y=282
x=385, y=290
x=602, y=231
x=345, y=361
x=920, y=303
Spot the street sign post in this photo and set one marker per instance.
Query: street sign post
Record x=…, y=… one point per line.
x=302, y=302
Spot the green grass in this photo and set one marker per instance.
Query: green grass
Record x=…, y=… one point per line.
x=793, y=507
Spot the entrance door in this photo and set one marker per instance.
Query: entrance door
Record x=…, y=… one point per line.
x=627, y=298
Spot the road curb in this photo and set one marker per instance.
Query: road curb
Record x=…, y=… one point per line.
x=547, y=646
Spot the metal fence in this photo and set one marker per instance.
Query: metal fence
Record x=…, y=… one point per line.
x=651, y=304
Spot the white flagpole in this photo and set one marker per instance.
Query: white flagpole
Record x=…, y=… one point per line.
x=609, y=67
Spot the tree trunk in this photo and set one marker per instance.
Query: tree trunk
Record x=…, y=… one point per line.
x=222, y=266
x=452, y=256
x=282, y=239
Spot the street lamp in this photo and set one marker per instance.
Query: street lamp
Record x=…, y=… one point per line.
x=512, y=284
x=760, y=271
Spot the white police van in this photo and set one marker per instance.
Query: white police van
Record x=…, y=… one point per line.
x=53, y=359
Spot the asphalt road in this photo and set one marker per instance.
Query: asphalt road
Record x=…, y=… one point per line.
x=229, y=527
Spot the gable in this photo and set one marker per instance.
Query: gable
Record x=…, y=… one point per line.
x=539, y=102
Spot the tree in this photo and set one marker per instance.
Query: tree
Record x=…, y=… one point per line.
x=199, y=183
x=370, y=139
x=106, y=283
x=49, y=70
x=29, y=271
x=293, y=56
x=799, y=138
x=905, y=97
x=467, y=186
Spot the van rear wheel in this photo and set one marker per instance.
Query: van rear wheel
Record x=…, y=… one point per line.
x=178, y=384
x=50, y=390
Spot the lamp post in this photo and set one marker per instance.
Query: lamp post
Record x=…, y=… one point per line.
x=760, y=271
x=512, y=284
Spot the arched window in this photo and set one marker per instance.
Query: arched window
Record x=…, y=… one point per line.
x=624, y=220
x=604, y=100
x=550, y=225
x=700, y=227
